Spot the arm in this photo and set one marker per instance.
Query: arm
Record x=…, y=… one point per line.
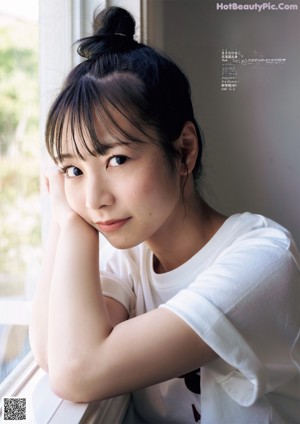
x=38, y=327
x=88, y=358
x=96, y=361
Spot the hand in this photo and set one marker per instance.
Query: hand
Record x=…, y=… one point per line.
x=54, y=182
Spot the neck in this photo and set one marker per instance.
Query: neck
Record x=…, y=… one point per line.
x=185, y=235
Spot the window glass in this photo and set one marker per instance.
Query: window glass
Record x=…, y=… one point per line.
x=20, y=232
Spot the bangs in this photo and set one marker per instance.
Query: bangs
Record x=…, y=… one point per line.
x=82, y=108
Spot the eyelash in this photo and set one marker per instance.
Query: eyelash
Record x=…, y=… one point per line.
x=65, y=169
x=125, y=158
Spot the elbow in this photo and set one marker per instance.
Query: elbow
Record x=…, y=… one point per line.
x=74, y=377
x=68, y=382
x=61, y=388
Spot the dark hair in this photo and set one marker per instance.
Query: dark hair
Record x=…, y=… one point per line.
x=121, y=74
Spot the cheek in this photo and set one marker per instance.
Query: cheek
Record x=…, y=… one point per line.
x=143, y=187
x=156, y=191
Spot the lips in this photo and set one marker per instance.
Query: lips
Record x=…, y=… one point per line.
x=112, y=225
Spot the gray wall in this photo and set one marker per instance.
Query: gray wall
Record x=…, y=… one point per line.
x=252, y=148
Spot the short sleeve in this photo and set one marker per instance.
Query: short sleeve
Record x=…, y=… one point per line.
x=116, y=277
x=117, y=289
x=245, y=306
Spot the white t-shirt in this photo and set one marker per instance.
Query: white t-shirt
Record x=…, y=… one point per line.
x=241, y=294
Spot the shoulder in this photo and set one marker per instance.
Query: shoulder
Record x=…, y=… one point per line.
x=249, y=239
x=252, y=253
x=255, y=239
x=255, y=228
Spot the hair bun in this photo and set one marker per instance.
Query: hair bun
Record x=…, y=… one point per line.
x=113, y=30
x=114, y=21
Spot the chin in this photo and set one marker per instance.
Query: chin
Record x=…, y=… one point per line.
x=121, y=244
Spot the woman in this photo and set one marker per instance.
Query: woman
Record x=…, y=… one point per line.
x=181, y=287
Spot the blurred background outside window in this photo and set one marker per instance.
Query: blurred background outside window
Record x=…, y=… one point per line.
x=20, y=206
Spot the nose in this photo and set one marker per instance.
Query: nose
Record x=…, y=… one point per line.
x=97, y=194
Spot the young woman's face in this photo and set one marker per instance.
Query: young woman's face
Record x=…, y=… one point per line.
x=129, y=194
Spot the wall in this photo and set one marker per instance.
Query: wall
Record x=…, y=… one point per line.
x=251, y=126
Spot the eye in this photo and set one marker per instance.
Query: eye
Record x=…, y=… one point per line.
x=72, y=171
x=117, y=160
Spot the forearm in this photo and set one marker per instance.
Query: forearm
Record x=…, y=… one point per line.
x=38, y=328
x=78, y=319
x=88, y=360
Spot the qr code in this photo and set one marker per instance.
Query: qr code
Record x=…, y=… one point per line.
x=14, y=409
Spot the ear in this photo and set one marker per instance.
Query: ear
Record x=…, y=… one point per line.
x=187, y=145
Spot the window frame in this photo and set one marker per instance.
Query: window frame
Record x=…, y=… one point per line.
x=72, y=20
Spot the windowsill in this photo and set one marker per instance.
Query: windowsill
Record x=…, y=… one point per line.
x=44, y=407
